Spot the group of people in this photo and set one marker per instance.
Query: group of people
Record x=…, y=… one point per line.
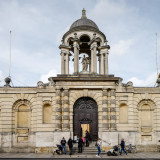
x=70, y=142
x=99, y=144
x=62, y=147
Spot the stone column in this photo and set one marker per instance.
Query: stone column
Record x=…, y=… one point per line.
x=99, y=59
x=62, y=63
x=67, y=64
x=92, y=60
x=76, y=57
x=105, y=124
x=113, y=110
x=58, y=110
x=102, y=63
x=94, y=57
x=65, y=111
x=106, y=64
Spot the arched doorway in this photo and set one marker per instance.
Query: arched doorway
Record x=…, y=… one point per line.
x=85, y=117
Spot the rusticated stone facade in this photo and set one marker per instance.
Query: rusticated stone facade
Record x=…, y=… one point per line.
x=34, y=119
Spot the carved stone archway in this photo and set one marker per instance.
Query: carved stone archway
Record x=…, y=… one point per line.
x=85, y=112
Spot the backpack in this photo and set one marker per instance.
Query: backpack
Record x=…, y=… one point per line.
x=96, y=144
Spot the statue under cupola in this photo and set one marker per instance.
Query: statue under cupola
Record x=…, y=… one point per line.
x=86, y=45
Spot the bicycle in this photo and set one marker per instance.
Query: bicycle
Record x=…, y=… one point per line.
x=131, y=148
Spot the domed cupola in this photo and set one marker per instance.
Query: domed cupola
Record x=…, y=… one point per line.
x=84, y=23
x=84, y=37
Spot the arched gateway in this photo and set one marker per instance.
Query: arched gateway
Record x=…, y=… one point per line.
x=85, y=117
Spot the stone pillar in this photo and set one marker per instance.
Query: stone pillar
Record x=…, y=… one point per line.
x=99, y=59
x=62, y=63
x=102, y=63
x=65, y=111
x=105, y=124
x=106, y=64
x=94, y=57
x=67, y=64
x=76, y=57
x=113, y=110
x=58, y=110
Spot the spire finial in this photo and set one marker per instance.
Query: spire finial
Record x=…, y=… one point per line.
x=83, y=13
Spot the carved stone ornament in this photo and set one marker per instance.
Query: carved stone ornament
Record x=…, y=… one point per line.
x=85, y=105
x=40, y=84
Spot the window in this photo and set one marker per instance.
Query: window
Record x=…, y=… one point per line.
x=47, y=113
x=123, y=113
x=23, y=116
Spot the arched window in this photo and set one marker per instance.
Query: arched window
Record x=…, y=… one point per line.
x=23, y=116
x=47, y=113
x=146, y=116
x=123, y=114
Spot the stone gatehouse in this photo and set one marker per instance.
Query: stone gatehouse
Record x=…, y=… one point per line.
x=34, y=119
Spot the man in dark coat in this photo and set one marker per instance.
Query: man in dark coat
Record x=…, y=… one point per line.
x=70, y=144
x=87, y=138
x=63, y=145
x=80, y=144
x=123, y=147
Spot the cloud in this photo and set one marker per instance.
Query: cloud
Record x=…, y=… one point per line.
x=122, y=47
x=149, y=82
x=51, y=73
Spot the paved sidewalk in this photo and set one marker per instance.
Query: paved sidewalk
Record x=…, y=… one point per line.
x=142, y=155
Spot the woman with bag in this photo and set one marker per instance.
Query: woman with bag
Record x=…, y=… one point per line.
x=99, y=144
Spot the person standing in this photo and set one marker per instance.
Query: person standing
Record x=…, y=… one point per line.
x=63, y=145
x=87, y=138
x=123, y=146
x=80, y=144
x=70, y=144
x=99, y=144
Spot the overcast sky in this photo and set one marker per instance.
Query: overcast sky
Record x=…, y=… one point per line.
x=38, y=26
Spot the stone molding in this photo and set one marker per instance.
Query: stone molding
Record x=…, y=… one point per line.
x=66, y=93
x=22, y=102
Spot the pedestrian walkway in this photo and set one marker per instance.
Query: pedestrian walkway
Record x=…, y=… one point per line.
x=142, y=155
